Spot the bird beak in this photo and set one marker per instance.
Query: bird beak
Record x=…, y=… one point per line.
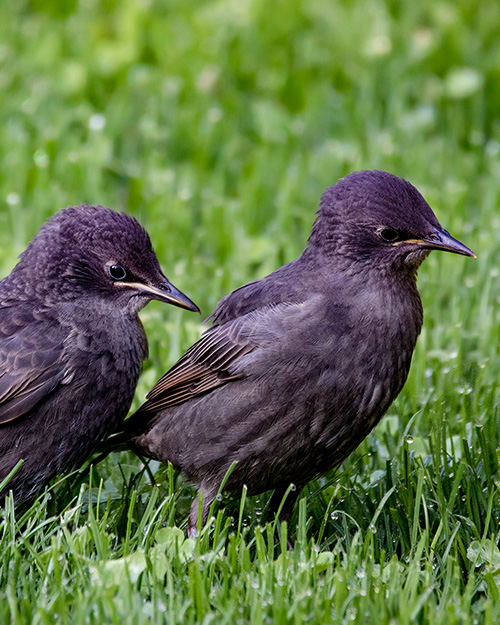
x=440, y=239
x=164, y=292
x=167, y=292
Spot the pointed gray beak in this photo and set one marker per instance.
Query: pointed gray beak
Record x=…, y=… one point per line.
x=167, y=292
x=164, y=292
x=440, y=239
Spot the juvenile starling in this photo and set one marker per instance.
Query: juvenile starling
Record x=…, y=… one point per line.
x=71, y=343
x=299, y=366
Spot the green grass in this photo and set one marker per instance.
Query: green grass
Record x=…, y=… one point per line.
x=218, y=124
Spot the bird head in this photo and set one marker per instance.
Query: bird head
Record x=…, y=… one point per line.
x=95, y=252
x=376, y=217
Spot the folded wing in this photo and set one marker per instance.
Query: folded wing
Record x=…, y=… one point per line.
x=31, y=362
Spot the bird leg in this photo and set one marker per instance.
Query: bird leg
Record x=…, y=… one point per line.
x=203, y=500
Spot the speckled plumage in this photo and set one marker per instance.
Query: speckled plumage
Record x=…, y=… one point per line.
x=71, y=343
x=299, y=366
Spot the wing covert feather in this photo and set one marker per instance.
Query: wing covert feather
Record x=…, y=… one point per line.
x=205, y=366
x=31, y=363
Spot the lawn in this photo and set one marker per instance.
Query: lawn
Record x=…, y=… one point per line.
x=218, y=124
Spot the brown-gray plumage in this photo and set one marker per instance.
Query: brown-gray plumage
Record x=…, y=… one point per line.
x=71, y=343
x=299, y=366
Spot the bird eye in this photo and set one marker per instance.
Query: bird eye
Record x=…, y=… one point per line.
x=388, y=234
x=117, y=272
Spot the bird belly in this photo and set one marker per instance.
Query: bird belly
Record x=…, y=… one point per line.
x=61, y=432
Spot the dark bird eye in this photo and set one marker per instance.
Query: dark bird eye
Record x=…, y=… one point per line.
x=389, y=235
x=117, y=272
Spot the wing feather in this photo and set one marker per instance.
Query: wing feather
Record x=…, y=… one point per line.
x=205, y=366
x=31, y=362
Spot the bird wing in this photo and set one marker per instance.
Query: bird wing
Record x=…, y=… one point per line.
x=209, y=363
x=283, y=285
x=218, y=357
x=31, y=361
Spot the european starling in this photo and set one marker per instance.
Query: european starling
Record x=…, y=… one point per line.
x=71, y=343
x=299, y=366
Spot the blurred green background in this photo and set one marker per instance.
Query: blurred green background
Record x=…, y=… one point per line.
x=219, y=124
